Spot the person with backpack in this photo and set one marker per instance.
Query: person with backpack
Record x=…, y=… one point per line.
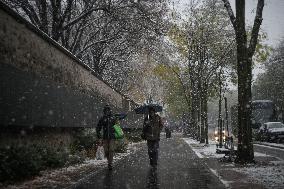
x=152, y=128
x=106, y=123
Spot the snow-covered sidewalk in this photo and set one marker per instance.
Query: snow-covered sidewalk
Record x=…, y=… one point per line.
x=64, y=177
x=276, y=145
x=268, y=172
x=202, y=150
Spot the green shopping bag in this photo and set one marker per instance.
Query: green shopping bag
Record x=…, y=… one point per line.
x=118, y=132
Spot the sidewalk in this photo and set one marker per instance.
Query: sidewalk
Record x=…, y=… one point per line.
x=266, y=173
x=68, y=176
x=183, y=163
x=178, y=168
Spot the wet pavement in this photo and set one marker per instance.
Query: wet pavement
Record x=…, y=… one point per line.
x=270, y=150
x=178, y=167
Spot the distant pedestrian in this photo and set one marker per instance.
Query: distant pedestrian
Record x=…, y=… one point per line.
x=108, y=139
x=151, y=132
x=167, y=128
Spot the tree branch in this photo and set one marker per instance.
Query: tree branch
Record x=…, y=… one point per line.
x=181, y=83
x=84, y=15
x=219, y=62
x=29, y=10
x=256, y=27
x=227, y=5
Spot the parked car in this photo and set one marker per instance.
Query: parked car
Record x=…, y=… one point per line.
x=271, y=131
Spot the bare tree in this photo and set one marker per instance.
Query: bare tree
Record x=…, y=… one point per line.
x=209, y=40
x=245, y=51
x=102, y=33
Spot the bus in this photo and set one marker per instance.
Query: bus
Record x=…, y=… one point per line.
x=262, y=111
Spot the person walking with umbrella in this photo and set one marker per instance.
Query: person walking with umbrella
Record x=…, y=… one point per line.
x=152, y=128
x=108, y=139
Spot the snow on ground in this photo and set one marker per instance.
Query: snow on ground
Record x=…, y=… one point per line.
x=226, y=183
x=258, y=154
x=190, y=141
x=272, y=144
x=271, y=175
x=276, y=148
x=202, y=150
x=209, y=151
x=63, y=177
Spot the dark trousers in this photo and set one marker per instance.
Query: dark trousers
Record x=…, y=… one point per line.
x=168, y=133
x=153, y=146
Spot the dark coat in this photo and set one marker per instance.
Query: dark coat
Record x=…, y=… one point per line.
x=106, y=123
x=152, y=127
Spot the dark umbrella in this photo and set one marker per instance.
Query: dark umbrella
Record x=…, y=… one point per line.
x=145, y=108
x=120, y=116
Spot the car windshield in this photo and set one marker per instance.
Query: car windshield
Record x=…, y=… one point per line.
x=275, y=125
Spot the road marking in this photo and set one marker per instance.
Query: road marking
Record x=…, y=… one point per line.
x=265, y=146
x=226, y=183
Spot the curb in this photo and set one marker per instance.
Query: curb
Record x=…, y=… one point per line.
x=270, y=145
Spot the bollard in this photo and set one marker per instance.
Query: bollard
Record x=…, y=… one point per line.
x=232, y=148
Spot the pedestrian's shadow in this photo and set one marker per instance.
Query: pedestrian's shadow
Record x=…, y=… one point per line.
x=152, y=180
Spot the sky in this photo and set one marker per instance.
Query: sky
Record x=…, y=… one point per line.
x=272, y=24
x=273, y=17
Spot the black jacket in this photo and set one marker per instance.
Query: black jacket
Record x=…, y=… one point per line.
x=106, y=123
x=152, y=128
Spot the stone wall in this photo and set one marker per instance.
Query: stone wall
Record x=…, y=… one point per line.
x=42, y=84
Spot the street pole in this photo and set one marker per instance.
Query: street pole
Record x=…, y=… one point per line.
x=220, y=113
x=226, y=111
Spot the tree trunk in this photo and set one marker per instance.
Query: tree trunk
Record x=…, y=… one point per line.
x=199, y=108
x=227, y=116
x=205, y=114
x=245, y=146
x=245, y=152
x=204, y=109
x=220, y=130
x=282, y=113
x=202, y=121
x=193, y=113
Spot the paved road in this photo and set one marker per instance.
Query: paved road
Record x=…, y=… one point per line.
x=178, y=168
x=277, y=152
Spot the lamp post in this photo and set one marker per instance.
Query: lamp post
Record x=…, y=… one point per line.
x=220, y=113
x=226, y=111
